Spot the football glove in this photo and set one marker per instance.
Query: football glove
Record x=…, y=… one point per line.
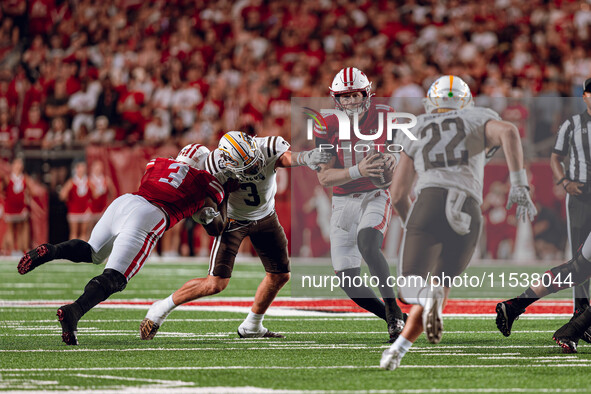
x=312, y=158
x=205, y=215
x=519, y=195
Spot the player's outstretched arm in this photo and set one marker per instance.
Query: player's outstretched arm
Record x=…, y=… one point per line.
x=370, y=166
x=404, y=177
x=506, y=135
x=311, y=158
x=212, y=217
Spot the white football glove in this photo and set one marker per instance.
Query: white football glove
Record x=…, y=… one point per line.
x=205, y=215
x=519, y=194
x=313, y=157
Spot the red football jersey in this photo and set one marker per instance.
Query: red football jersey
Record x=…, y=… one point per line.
x=15, y=195
x=79, y=196
x=351, y=152
x=178, y=188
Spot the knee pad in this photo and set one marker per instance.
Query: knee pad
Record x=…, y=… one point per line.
x=110, y=282
x=369, y=240
x=579, y=269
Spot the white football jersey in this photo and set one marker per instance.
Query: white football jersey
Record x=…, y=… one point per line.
x=253, y=200
x=451, y=149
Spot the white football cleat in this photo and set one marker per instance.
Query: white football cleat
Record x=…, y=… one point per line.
x=432, y=319
x=390, y=359
x=260, y=332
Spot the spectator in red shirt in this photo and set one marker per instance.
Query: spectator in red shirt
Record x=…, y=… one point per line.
x=8, y=131
x=34, y=129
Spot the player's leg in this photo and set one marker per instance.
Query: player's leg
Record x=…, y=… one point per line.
x=269, y=240
x=578, y=229
x=96, y=250
x=221, y=264
x=376, y=214
x=421, y=251
x=573, y=272
x=346, y=257
x=577, y=328
x=457, y=251
x=135, y=227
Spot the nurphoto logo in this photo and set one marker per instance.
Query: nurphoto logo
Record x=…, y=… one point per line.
x=392, y=123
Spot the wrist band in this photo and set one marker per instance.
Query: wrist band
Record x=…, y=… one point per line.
x=518, y=178
x=354, y=172
x=564, y=185
x=560, y=180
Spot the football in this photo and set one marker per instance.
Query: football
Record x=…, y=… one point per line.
x=385, y=179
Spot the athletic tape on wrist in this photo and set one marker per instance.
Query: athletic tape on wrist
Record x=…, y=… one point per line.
x=354, y=172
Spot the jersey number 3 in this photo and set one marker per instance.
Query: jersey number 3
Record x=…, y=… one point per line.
x=176, y=176
x=254, y=199
x=432, y=152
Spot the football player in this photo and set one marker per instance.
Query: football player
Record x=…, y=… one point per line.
x=253, y=162
x=443, y=225
x=569, y=274
x=361, y=210
x=170, y=190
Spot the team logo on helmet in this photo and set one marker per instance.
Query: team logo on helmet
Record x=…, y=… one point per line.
x=241, y=155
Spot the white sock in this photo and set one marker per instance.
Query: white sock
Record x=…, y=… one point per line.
x=254, y=320
x=169, y=303
x=160, y=309
x=402, y=345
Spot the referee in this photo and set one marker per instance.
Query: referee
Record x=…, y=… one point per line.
x=574, y=140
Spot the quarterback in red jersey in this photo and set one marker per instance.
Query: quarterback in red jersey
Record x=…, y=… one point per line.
x=170, y=190
x=361, y=211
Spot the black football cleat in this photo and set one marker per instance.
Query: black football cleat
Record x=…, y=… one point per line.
x=587, y=334
x=34, y=258
x=394, y=329
x=506, y=315
x=69, y=323
x=567, y=337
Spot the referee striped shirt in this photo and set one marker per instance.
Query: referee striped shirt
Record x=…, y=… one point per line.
x=574, y=139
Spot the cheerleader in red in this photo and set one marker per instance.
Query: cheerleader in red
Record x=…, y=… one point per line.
x=16, y=208
x=102, y=191
x=76, y=194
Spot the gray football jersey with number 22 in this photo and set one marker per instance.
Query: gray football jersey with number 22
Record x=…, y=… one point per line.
x=450, y=150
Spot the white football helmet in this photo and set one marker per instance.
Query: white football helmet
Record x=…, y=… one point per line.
x=193, y=155
x=350, y=80
x=241, y=155
x=448, y=92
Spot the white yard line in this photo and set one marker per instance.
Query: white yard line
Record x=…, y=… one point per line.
x=275, y=367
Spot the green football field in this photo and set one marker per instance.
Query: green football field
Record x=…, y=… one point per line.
x=197, y=349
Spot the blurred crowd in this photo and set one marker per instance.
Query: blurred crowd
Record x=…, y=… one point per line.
x=152, y=72
x=75, y=73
